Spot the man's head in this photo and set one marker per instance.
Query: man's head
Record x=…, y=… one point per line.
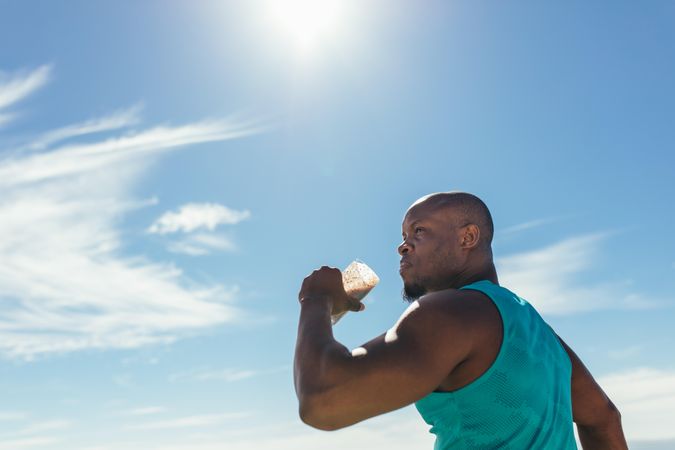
x=447, y=237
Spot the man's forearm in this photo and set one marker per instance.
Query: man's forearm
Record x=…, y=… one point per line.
x=608, y=437
x=316, y=349
x=592, y=440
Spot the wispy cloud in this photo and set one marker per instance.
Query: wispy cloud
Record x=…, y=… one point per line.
x=17, y=86
x=114, y=121
x=204, y=420
x=65, y=283
x=145, y=411
x=527, y=225
x=201, y=244
x=195, y=216
x=41, y=427
x=123, y=380
x=549, y=278
x=381, y=433
x=31, y=442
x=125, y=153
x=625, y=353
x=668, y=444
x=226, y=374
x=32, y=434
x=12, y=415
x=646, y=399
x=402, y=430
x=5, y=119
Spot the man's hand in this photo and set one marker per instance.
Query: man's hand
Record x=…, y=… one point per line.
x=326, y=283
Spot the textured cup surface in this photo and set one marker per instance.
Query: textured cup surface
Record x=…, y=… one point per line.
x=358, y=280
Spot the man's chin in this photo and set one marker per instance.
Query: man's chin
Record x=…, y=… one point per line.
x=412, y=292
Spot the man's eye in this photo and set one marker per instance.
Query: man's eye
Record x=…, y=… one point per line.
x=419, y=229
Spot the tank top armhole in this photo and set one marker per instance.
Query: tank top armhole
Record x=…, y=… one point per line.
x=495, y=363
x=560, y=345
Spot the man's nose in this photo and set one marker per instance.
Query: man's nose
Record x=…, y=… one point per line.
x=403, y=248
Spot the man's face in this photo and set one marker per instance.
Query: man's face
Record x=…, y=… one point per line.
x=430, y=251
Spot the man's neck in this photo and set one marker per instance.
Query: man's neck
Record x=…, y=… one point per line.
x=486, y=272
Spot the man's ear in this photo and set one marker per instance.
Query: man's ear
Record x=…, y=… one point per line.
x=470, y=236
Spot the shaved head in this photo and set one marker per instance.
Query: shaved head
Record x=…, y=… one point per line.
x=463, y=207
x=447, y=243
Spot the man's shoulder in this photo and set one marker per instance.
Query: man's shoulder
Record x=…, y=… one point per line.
x=467, y=321
x=464, y=303
x=460, y=314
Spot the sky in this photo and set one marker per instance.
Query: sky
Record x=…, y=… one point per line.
x=171, y=171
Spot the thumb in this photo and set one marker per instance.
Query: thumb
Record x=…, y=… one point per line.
x=362, y=306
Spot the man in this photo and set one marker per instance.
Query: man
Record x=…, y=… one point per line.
x=478, y=362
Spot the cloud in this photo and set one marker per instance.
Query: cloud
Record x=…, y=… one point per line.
x=39, y=427
x=18, y=86
x=653, y=445
x=5, y=119
x=646, y=399
x=145, y=411
x=625, y=353
x=201, y=244
x=30, y=435
x=65, y=282
x=549, y=278
x=226, y=375
x=194, y=216
x=402, y=430
x=205, y=420
x=12, y=415
x=380, y=433
x=526, y=225
x=130, y=154
x=114, y=121
x=123, y=380
x=31, y=442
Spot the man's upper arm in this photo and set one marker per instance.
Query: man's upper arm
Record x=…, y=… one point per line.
x=590, y=405
x=398, y=367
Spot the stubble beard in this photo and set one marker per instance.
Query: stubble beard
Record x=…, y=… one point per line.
x=430, y=282
x=421, y=286
x=412, y=292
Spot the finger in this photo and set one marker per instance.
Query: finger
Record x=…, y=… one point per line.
x=356, y=307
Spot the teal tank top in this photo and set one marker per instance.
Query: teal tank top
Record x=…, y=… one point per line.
x=523, y=401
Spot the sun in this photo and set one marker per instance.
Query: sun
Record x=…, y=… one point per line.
x=308, y=25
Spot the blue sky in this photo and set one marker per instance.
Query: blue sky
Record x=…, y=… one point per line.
x=170, y=171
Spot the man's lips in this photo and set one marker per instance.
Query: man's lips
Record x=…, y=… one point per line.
x=404, y=265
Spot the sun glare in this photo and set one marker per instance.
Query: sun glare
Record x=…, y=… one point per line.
x=308, y=24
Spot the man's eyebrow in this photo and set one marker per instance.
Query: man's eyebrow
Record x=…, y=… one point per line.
x=413, y=224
